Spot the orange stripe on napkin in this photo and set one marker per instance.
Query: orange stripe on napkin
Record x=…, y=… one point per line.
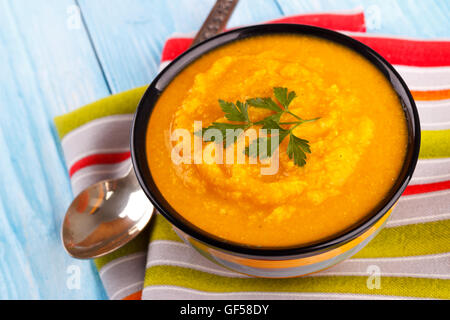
x=431, y=95
x=134, y=296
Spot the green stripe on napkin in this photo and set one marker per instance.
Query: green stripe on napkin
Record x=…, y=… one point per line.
x=121, y=103
x=435, y=144
x=162, y=230
x=409, y=240
x=207, y=282
x=140, y=244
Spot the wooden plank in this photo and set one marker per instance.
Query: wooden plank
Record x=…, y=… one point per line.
x=47, y=68
x=412, y=18
x=129, y=34
x=254, y=11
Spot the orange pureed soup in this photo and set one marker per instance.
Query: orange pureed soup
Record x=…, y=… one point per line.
x=357, y=146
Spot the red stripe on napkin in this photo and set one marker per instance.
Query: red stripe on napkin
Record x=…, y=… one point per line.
x=425, y=188
x=410, y=52
x=396, y=51
x=174, y=47
x=96, y=159
x=349, y=22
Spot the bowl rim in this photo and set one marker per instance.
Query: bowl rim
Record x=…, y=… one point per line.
x=155, y=89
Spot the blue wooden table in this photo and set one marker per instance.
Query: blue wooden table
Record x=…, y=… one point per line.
x=57, y=55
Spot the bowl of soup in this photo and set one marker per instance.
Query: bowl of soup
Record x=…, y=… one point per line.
x=346, y=134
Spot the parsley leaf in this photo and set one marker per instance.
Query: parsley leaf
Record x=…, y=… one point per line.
x=264, y=103
x=269, y=123
x=297, y=149
x=235, y=112
x=283, y=96
x=275, y=117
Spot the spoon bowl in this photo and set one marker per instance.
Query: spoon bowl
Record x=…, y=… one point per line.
x=105, y=216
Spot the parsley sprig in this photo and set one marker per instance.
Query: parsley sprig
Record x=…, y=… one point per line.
x=238, y=112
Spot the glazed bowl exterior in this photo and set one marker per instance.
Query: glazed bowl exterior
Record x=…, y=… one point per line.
x=274, y=262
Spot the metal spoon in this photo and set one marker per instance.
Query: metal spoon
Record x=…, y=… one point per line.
x=111, y=213
x=105, y=216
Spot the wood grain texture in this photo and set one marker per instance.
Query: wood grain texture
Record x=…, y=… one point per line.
x=129, y=34
x=411, y=18
x=47, y=67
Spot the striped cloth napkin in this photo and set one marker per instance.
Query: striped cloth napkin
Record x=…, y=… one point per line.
x=409, y=258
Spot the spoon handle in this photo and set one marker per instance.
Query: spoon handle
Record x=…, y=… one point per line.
x=216, y=20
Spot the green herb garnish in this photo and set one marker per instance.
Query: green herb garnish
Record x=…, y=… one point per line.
x=238, y=112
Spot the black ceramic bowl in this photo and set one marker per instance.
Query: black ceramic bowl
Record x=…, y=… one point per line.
x=266, y=261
